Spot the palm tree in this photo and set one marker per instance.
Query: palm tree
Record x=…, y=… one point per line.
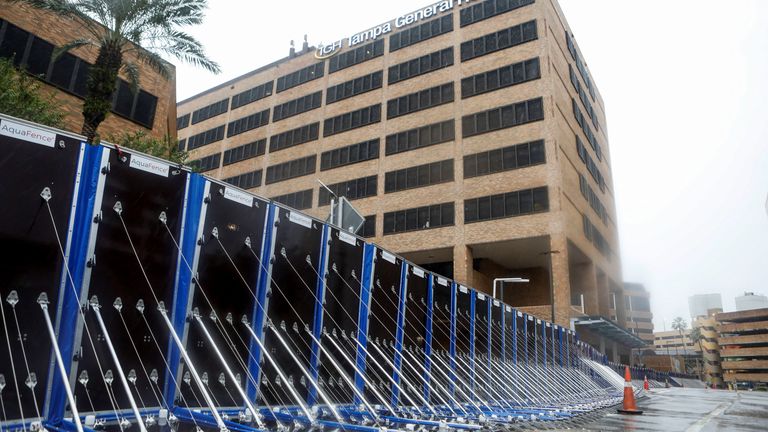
x=679, y=324
x=123, y=30
x=696, y=337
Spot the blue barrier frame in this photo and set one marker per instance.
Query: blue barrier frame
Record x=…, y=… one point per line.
x=428, y=335
x=317, y=326
x=453, y=338
x=472, y=311
x=398, y=360
x=369, y=265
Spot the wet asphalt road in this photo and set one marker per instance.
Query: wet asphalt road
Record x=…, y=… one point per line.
x=691, y=410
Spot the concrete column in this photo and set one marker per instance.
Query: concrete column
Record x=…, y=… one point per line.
x=584, y=281
x=614, y=352
x=602, y=344
x=560, y=282
x=462, y=265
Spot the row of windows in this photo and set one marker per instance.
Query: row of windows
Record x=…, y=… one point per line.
x=352, y=120
x=70, y=73
x=506, y=205
x=349, y=155
x=420, y=33
x=292, y=169
x=351, y=189
x=245, y=152
x=500, y=78
x=489, y=8
x=502, y=118
x=298, y=106
x=592, y=198
x=248, y=180
x=504, y=159
x=591, y=138
x=369, y=227
x=182, y=144
x=419, y=176
x=424, y=136
x=597, y=239
x=421, y=100
x=421, y=218
x=356, y=56
x=182, y=122
x=304, y=134
x=300, y=200
x=354, y=87
x=301, y=76
x=248, y=123
x=579, y=64
x=210, y=111
x=204, y=138
x=499, y=40
x=420, y=66
x=583, y=96
x=252, y=95
x=207, y=163
x=592, y=167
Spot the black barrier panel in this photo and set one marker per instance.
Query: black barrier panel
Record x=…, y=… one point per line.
x=509, y=333
x=140, y=339
x=441, y=333
x=550, y=345
x=228, y=266
x=382, y=322
x=521, y=346
x=483, y=375
x=291, y=305
x=531, y=340
x=340, y=312
x=415, y=326
x=463, y=302
x=497, y=331
x=31, y=259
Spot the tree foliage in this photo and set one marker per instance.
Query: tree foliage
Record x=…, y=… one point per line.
x=22, y=96
x=166, y=148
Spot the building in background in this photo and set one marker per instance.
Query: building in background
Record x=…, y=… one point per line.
x=743, y=340
x=29, y=37
x=751, y=301
x=708, y=349
x=704, y=305
x=637, y=311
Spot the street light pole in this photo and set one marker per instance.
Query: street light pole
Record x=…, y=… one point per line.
x=510, y=280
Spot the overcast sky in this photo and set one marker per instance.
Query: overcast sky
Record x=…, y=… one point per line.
x=685, y=83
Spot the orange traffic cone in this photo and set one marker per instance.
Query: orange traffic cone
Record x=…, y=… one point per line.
x=629, y=395
x=646, y=387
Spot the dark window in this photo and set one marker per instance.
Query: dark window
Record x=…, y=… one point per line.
x=508, y=116
x=182, y=144
x=489, y=8
x=144, y=111
x=422, y=100
x=14, y=43
x=583, y=97
x=500, y=78
x=246, y=181
x=352, y=120
x=294, y=137
x=248, y=123
x=593, y=235
x=291, y=169
x=506, y=205
x=422, y=137
x=592, y=167
x=505, y=159
x=499, y=40
x=434, y=216
x=207, y=163
x=354, y=87
x=591, y=138
x=593, y=199
x=369, y=227
x=39, y=57
x=356, y=56
x=349, y=155
x=580, y=64
x=420, y=66
x=298, y=106
x=252, y=95
x=210, y=111
x=301, y=200
x=420, y=33
x=123, y=103
x=245, y=152
x=301, y=76
x=352, y=190
x=182, y=122
x=208, y=137
x=64, y=71
x=419, y=176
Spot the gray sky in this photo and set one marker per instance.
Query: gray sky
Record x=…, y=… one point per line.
x=686, y=93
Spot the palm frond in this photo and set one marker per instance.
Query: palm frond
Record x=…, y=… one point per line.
x=186, y=48
x=155, y=62
x=69, y=46
x=132, y=71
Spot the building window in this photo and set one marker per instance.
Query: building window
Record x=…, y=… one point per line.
x=597, y=239
x=518, y=203
x=248, y=180
x=352, y=190
x=207, y=163
x=419, y=101
x=424, y=136
x=369, y=227
x=593, y=199
x=421, y=218
x=504, y=77
x=301, y=200
x=292, y=169
x=300, y=77
x=252, y=95
x=579, y=64
x=182, y=122
x=245, y=152
x=354, y=87
x=349, y=155
x=501, y=118
x=298, y=106
x=420, y=66
x=210, y=111
x=352, y=120
x=504, y=159
x=592, y=167
x=583, y=96
x=304, y=134
x=419, y=176
x=356, y=56
x=420, y=33
x=591, y=138
x=489, y=8
x=204, y=138
x=499, y=40
x=248, y=123
x=182, y=144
